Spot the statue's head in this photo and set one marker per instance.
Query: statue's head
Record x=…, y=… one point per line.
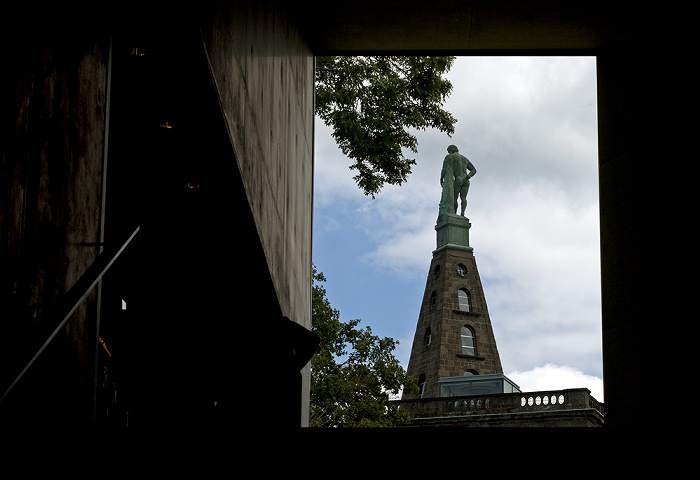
x=452, y=149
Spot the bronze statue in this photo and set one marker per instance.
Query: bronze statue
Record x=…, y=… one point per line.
x=454, y=180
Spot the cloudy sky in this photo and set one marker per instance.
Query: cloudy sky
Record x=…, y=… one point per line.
x=528, y=124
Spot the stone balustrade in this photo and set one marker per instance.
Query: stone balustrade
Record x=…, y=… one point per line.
x=579, y=399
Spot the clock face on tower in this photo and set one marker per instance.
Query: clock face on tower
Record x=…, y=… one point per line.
x=461, y=270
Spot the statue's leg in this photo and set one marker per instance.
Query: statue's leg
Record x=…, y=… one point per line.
x=457, y=190
x=463, y=194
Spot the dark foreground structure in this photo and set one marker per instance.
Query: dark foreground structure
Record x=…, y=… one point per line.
x=156, y=196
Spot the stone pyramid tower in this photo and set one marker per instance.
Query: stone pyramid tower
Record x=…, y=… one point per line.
x=453, y=336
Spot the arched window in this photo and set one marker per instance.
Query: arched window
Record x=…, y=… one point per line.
x=433, y=301
x=468, y=343
x=426, y=338
x=464, y=300
x=421, y=385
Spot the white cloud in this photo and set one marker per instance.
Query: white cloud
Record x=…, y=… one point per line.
x=539, y=262
x=557, y=377
x=400, y=225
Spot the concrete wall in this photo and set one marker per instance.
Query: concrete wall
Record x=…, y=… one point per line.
x=264, y=76
x=263, y=71
x=629, y=148
x=470, y=26
x=53, y=108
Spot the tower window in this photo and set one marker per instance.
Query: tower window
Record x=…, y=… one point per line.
x=426, y=338
x=433, y=300
x=468, y=344
x=436, y=271
x=464, y=300
x=421, y=385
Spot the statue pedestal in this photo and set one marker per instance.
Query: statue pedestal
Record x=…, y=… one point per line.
x=452, y=232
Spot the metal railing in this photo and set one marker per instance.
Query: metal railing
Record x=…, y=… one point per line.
x=75, y=295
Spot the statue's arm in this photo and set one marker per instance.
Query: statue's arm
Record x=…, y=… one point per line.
x=471, y=168
x=442, y=172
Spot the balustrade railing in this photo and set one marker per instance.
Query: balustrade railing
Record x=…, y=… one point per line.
x=502, y=403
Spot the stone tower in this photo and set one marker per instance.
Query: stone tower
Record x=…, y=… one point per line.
x=453, y=335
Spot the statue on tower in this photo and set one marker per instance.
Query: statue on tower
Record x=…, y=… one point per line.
x=454, y=180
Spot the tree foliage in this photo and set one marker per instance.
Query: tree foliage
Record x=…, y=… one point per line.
x=371, y=102
x=353, y=372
